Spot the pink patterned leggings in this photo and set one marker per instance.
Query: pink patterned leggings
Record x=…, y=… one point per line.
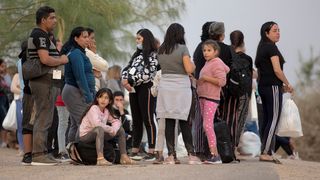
x=208, y=109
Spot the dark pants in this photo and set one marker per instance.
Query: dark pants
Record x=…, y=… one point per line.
x=271, y=97
x=283, y=142
x=3, y=108
x=44, y=92
x=76, y=105
x=98, y=136
x=53, y=135
x=27, y=106
x=142, y=110
x=186, y=135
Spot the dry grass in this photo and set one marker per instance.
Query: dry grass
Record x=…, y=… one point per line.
x=308, y=146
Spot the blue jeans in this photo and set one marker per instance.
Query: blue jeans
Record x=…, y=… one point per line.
x=19, y=123
x=62, y=128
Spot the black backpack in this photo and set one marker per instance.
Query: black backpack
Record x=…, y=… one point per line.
x=85, y=153
x=224, y=142
x=239, y=78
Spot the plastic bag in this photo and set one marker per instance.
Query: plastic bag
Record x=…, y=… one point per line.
x=289, y=123
x=249, y=144
x=253, y=110
x=10, y=121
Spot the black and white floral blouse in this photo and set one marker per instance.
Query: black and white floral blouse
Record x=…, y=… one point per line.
x=137, y=73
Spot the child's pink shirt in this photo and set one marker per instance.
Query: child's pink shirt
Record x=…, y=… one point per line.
x=95, y=118
x=213, y=68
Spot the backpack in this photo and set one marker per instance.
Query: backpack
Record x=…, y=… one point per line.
x=239, y=78
x=224, y=143
x=85, y=153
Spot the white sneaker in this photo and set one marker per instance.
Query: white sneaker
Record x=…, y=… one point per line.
x=294, y=156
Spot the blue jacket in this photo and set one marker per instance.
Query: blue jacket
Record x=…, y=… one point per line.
x=78, y=72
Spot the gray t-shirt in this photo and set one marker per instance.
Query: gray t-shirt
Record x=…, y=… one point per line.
x=172, y=63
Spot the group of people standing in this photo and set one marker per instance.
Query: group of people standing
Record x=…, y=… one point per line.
x=92, y=117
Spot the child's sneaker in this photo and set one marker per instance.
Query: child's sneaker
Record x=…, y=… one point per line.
x=294, y=156
x=135, y=156
x=27, y=159
x=149, y=157
x=63, y=157
x=194, y=160
x=213, y=160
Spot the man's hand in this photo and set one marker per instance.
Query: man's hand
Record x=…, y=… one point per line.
x=64, y=59
x=119, y=105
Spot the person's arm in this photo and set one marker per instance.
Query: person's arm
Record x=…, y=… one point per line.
x=79, y=74
x=93, y=117
x=279, y=73
x=49, y=60
x=115, y=123
x=188, y=64
x=97, y=61
x=15, y=84
x=141, y=75
x=219, y=80
x=124, y=76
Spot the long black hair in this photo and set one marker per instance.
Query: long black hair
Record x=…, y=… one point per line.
x=99, y=94
x=265, y=28
x=71, y=43
x=173, y=37
x=148, y=44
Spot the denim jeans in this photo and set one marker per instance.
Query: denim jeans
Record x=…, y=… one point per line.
x=19, y=123
x=62, y=128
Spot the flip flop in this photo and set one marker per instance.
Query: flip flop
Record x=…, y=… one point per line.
x=274, y=160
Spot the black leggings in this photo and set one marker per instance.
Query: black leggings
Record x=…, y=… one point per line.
x=186, y=135
x=142, y=110
x=283, y=142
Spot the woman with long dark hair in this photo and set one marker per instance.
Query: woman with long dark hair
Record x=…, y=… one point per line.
x=79, y=88
x=271, y=82
x=174, y=96
x=238, y=106
x=137, y=79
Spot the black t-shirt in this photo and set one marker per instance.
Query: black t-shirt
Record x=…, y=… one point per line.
x=225, y=53
x=198, y=59
x=39, y=39
x=266, y=75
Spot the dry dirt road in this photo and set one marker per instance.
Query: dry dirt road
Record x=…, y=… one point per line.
x=249, y=168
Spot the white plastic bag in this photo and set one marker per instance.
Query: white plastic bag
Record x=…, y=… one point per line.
x=289, y=123
x=10, y=121
x=249, y=144
x=253, y=110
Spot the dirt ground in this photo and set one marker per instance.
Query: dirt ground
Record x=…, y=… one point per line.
x=248, y=168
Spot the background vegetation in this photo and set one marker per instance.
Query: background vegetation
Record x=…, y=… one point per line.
x=115, y=21
x=307, y=94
